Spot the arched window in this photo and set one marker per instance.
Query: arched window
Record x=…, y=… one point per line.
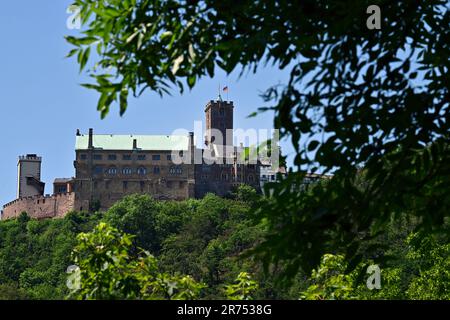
x=175, y=170
x=127, y=170
x=142, y=171
x=111, y=171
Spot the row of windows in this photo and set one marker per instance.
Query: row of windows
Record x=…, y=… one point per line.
x=125, y=185
x=142, y=171
x=226, y=177
x=140, y=157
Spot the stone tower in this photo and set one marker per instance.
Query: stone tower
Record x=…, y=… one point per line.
x=219, y=119
x=29, y=176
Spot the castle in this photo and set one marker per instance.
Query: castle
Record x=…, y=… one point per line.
x=109, y=167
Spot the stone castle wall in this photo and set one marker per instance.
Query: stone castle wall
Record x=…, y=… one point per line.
x=40, y=207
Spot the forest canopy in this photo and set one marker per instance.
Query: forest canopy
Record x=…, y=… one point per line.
x=197, y=252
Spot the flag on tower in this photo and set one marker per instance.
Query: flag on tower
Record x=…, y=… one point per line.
x=225, y=89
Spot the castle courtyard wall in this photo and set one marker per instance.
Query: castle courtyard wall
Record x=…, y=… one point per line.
x=40, y=207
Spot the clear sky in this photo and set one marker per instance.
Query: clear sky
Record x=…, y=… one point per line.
x=42, y=103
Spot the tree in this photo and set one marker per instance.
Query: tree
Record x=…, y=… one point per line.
x=356, y=98
x=146, y=219
x=106, y=269
x=243, y=289
x=329, y=281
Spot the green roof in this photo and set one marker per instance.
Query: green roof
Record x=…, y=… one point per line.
x=125, y=142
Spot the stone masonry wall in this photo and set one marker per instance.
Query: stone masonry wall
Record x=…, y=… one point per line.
x=40, y=207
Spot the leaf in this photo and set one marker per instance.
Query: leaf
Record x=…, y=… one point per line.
x=191, y=81
x=83, y=59
x=313, y=145
x=165, y=35
x=140, y=40
x=177, y=63
x=191, y=52
x=123, y=101
x=130, y=38
x=72, y=53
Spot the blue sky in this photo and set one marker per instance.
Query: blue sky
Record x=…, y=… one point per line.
x=42, y=103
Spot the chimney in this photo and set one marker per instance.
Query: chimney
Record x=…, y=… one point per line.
x=91, y=134
x=191, y=148
x=134, y=144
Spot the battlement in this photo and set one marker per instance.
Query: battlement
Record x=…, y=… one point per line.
x=223, y=103
x=31, y=157
x=39, y=207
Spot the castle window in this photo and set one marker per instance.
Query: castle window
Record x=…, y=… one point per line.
x=169, y=157
x=112, y=171
x=83, y=156
x=156, y=157
x=142, y=171
x=142, y=184
x=250, y=178
x=224, y=177
x=97, y=157
x=175, y=170
x=125, y=185
x=98, y=170
x=112, y=157
x=221, y=111
x=107, y=183
x=156, y=170
x=126, y=157
x=127, y=171
x=141, y=157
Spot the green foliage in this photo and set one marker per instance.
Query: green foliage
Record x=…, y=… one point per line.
x=246, y=193
x=208, y=239
x=210, y=243
x=34, y=255
x=376, y=99
x=433, y=260
x=9, y=291
x=108, y=271
x=419, y=271
x=330, y=281
x=148, y=220
x=243, y=289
